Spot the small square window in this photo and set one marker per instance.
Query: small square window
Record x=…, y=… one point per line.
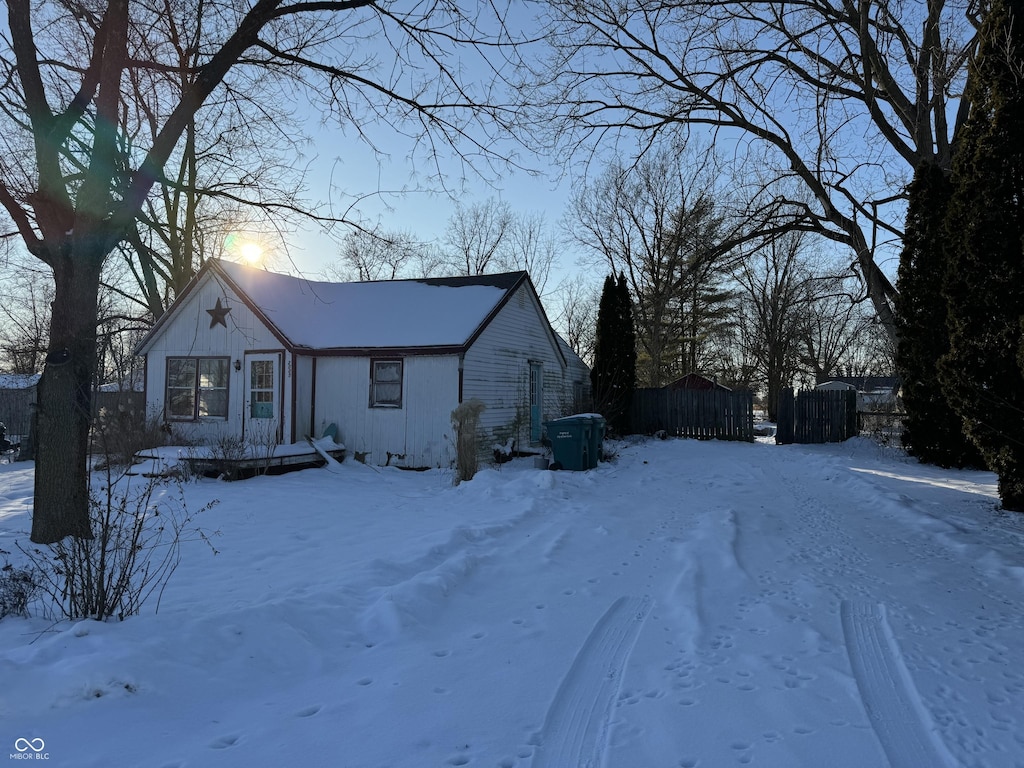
x=386, y=384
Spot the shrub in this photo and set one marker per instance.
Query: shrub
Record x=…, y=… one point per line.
x=18, y=588
x=135, y=549
x=120, y=433
x=466, y=423
x=225, y=453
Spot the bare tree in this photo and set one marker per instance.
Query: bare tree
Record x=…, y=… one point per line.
x=834, y=328
x=75, y=186
x=490, y=237
x=531, y=247
x=476, y=236
x=236, y=168
x=379, y=255
x=659, y=223
x=576, y=301
x=25, y=312
x=777, y=293
x=843, y=97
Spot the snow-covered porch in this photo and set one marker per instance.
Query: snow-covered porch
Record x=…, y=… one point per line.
x=248, y=460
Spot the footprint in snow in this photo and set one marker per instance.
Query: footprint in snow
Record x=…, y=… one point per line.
x=224, y=742
x=308, y=711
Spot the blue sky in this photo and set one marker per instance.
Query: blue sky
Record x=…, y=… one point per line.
x=423, y=209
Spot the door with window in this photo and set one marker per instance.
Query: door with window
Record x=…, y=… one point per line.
x=536, y=401
x=263, y=398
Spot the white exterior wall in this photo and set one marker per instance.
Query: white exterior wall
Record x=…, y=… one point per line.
x=496, y=370
x=188, y=334
x=416, y=435
x=303, y=397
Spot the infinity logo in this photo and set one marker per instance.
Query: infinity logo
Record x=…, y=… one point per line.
x=23, y=745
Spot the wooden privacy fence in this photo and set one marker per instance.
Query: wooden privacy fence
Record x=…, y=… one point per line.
x=16, y=410
x=816, y=416
x=703, y=414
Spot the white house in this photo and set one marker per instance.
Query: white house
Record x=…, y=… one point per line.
x=273, y=358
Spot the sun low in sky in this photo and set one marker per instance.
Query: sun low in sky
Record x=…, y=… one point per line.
x=245, y=248
x=251, y=253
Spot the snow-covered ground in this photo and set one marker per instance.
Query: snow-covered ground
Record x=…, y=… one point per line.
x=688, y=604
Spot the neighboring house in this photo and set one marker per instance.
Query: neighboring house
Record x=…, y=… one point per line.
x=874, y=393
x=17, y=398
x=267, y=357
x=698, y=382
x=579, y=374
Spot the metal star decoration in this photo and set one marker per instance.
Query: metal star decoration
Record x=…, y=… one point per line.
x=218, y=315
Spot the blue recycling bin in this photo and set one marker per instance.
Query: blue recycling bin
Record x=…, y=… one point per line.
x=575, y=441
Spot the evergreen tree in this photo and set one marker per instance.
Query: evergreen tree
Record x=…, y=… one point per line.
x=614, y=374
x=932, y=429
x=985, y=254
x=627, y=350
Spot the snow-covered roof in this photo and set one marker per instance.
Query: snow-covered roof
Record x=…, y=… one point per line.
x=442, y=312
x=18, y=380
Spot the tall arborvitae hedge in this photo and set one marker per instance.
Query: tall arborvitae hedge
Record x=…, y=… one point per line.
x=628, y=347
x=932, y=429
x=613, y=376
x=985, y=254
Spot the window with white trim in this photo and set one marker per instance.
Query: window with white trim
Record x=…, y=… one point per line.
x=386, y=383
x=197, y=388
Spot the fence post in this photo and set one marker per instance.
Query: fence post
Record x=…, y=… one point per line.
x=784, y=423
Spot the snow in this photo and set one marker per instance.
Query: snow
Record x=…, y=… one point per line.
x=691, y=603
x=18, y=380
x=394, y=313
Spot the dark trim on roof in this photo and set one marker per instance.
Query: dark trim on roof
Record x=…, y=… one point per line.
x=504, y=280
x=379, y=351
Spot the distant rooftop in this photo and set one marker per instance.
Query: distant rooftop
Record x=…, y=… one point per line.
x=864, y=383
x=18, y=380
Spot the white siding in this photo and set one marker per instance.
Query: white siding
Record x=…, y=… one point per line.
x=496, y=370
x=188, y=334
x=415, y=435
x=303, y=397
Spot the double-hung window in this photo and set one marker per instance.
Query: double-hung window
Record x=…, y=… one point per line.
x=386, y=383
x=197, y=388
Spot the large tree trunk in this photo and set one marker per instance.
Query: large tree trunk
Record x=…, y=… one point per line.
x=64, y=411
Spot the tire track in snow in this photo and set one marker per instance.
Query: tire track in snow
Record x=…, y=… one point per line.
x=893, y=706
x=575, y=731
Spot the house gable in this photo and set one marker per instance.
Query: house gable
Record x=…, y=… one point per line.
x=496, y=368
x=209, y=321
